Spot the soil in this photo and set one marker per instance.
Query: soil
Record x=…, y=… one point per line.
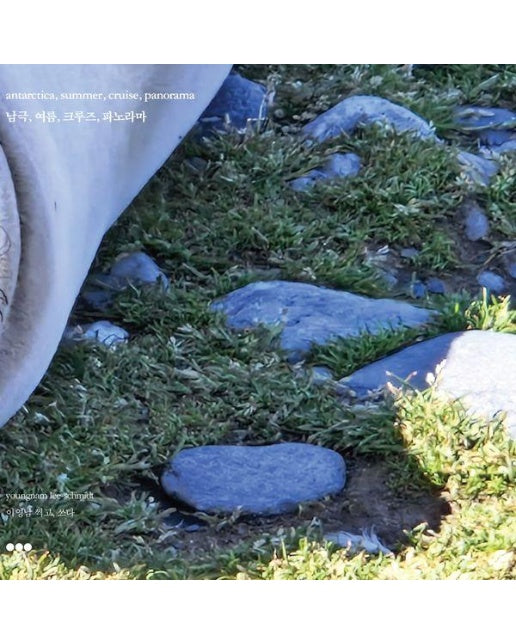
x=366, y=502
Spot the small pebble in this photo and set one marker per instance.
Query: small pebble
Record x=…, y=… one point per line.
x=321, y=374
x=103, y=332
x=492, y=281
x=435, y=285
x=337, y=166
x=476, y=224
x=510, y=264
x=138, y=268
x=417, y=290
x=237, y=102
x=409, y=253
x=476, y=168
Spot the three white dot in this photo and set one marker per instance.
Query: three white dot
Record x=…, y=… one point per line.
x=19, y=547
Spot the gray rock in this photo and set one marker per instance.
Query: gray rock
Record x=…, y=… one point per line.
x=479, y=368
x=134, y=268
x=476, y=168
x=471, y=118
x=476, y=222
x=507, y=146
x=255, y=480
x=498, y=141
x=417, y=290
x=510, y=263
x=321, y=374
x=137, y=268
x=100, y=290
x=314, y=314
x=97, y=299
x=492, y=281
x=409, y=253
x=103, y=332
x=238, y=101
x=354, y=111
x=435, y=285
x=337, y=166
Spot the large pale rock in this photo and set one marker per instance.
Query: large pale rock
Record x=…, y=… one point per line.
x=64, y=183
x=479, y=368
x=255, y=480
x=314, y=314
x=357, y=111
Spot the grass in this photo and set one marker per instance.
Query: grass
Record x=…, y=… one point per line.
x=103, y=422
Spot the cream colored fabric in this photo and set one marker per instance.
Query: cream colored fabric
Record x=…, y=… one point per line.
x=63, y=184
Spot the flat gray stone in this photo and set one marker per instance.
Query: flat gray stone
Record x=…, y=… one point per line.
x=492, y=281
x=479, y=368
x=476, y=223
x=337, y=166
x=255, y=480
x=314, y=314
x=357, y=111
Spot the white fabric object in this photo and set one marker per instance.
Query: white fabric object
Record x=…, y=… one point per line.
x=62, y=185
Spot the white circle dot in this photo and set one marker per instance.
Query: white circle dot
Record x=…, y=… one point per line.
x=27, y=547
x=9, y=547
x=19, y=547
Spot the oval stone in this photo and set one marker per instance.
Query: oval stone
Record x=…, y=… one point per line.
x=263, y=480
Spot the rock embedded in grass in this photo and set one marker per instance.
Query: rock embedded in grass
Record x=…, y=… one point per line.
x=492, y=281
x=494, y=127
x=499, y=141
x=238, y=101
x=435, y=285
x=137, y=268
x=409, y=253
x=476, y=168
x=314, y=314
x=417, y=290
x=337, y=166
x=476, y=223
x=510, y=263
x=473, y=118
x=133, y=268
x=103, y=332
x=357, y=111
x=479, y=368
x=253, y=480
